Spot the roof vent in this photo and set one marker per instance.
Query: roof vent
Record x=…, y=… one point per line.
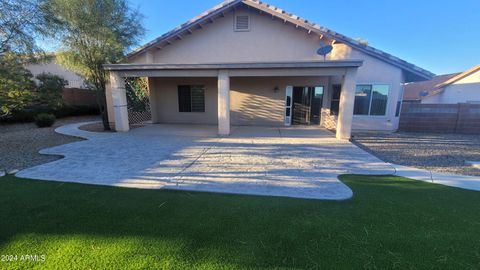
x=242, y=23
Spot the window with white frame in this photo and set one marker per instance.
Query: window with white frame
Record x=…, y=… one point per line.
x=371, y=99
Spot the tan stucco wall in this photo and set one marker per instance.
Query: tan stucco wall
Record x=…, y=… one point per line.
x=167, y=101
x=253, y=101
x=268, y=40
x=375, y=71
x=271, y=40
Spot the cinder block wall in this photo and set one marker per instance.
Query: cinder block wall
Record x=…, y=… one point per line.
x=79, y=97
x=440, y=118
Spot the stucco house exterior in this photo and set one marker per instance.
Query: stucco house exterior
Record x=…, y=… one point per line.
x=50, y=65
x=245, y=62
x=453, y=88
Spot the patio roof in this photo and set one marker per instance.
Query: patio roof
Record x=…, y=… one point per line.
x=306, y=68
x=246, y=65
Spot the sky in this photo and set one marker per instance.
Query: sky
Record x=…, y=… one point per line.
x=441, y=36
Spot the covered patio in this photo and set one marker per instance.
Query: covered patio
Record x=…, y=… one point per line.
x=224, y=73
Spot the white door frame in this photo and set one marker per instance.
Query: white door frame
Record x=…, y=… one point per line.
x=288, y=105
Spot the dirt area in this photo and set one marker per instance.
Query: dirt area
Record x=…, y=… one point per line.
x=445, y=153
x=20, y=143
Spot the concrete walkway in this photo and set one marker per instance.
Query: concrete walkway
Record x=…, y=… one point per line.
x=296, y=162
x=452, y=180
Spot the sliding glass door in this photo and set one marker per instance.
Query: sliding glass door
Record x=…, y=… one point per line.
x=306, y=105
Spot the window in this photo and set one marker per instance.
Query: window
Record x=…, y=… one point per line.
x=242, y=23
x=371, y=99
x=191, y=98
x=335, y=103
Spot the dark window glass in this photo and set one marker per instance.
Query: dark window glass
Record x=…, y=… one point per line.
x=363, y=94
x=397, y=111
x=335, y=102
x=198, y=99
x=379, y=100
x=184, y=98
x=191, y=98
x=371, y=99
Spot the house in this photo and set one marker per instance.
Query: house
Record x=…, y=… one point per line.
x=454, y=88
x=50, y=65
x=245, y=62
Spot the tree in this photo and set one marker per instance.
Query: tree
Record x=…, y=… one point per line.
x=94, y=33
x=21, y=22
x=16, y=85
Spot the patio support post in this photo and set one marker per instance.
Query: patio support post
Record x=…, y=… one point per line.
x=119, y=97
x=153, y=99
x=347, y=101
x=223, y=103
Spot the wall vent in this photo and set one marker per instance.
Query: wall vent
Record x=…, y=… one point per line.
x=242, y=23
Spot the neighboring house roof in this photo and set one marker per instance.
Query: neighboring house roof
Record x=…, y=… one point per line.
x=219, y=11
x=459, y=77
x=420, y=90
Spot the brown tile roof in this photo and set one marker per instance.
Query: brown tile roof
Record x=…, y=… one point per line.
x=413, y=91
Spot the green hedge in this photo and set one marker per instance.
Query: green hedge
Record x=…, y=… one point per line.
x=28, y=115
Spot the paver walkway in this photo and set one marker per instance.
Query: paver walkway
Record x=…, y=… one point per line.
x=299, y=162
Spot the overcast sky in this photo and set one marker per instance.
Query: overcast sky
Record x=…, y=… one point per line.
x=441, y=36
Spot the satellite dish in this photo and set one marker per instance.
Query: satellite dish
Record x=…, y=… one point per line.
x=324, y=49
x=424, y=93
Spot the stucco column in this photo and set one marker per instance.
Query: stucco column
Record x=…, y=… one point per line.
x=223, y=103
x=119, y=98
x=347, y=101
x=153, y=99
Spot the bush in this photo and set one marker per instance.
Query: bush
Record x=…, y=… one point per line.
x=69, y=110
x=28, y=115
x=45, y=120
x=49, y=91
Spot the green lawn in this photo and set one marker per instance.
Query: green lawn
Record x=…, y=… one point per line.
x=391, y=223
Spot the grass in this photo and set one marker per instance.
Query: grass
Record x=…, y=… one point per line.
x=391, y=223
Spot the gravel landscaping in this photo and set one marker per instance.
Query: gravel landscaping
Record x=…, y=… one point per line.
x=445, y=153
x=21, y=142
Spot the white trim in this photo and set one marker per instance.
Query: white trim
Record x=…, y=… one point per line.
x=288, y=93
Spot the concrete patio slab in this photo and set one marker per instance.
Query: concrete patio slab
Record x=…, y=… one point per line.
x=291, y=162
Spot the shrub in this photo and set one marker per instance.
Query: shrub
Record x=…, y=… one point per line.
x=45, y=120
x=79, y=110
x=49, y=91
x=28, y=115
